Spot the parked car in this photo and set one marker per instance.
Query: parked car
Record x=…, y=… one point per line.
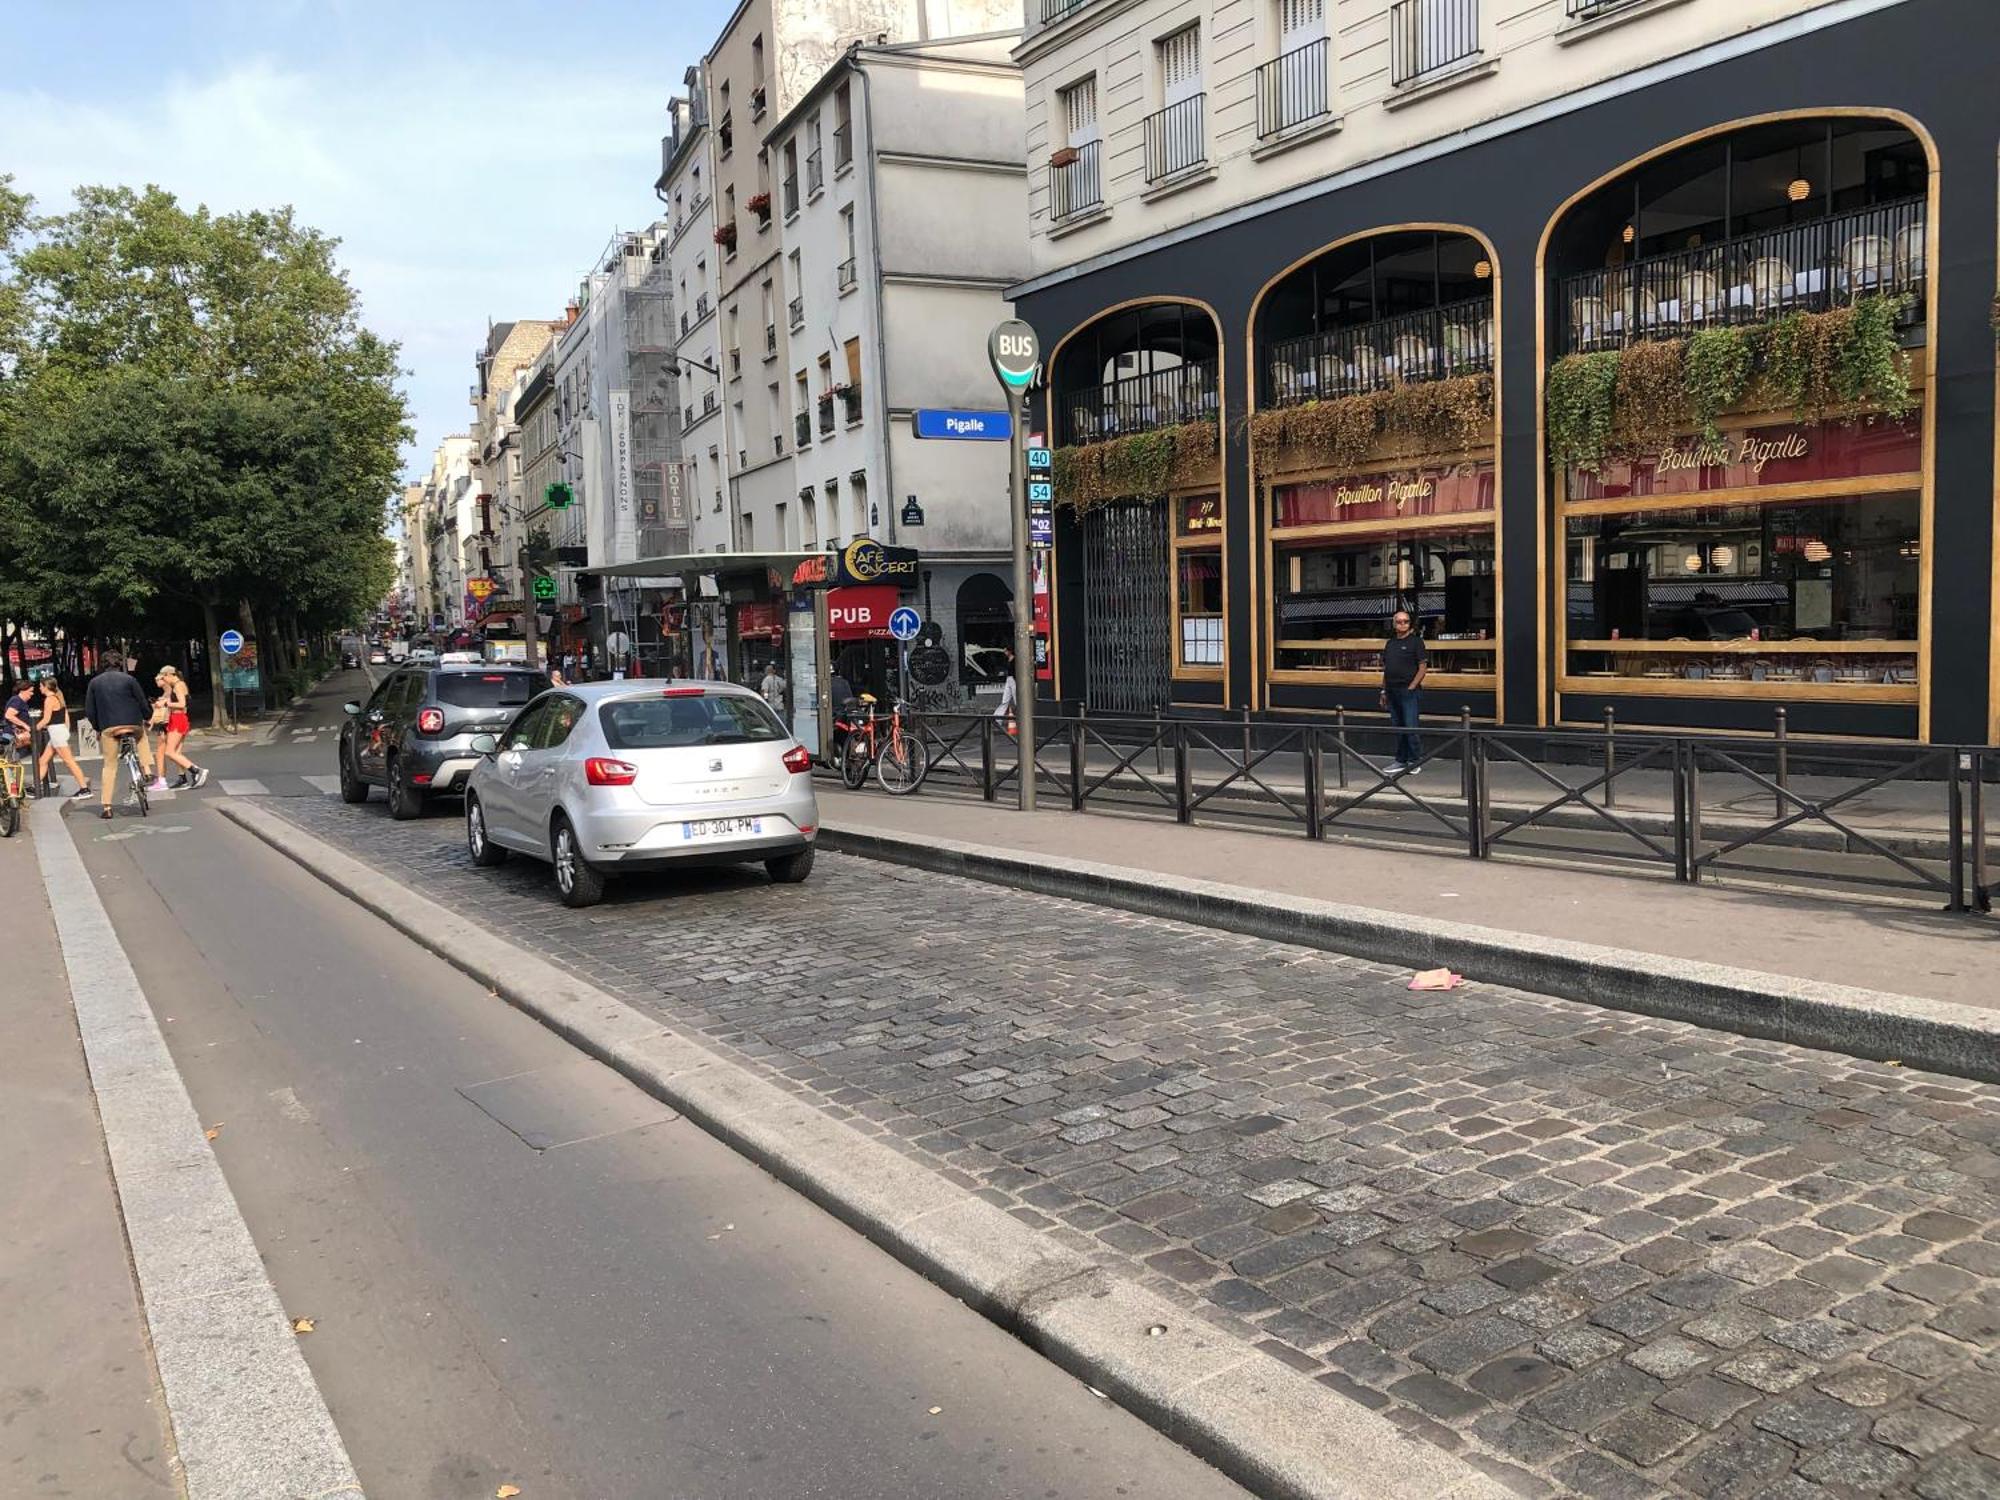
x=603, y=778
x=350, y=659
x=423, y=656
x=378, y=658
x=414, y=734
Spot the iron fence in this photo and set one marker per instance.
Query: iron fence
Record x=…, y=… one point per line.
x=1175, y=139
x=1075, y=184
x=1427, y=36
x=1291, y=89
x=1590, y=10
x=1430, y=345
x=1185, y=392
x=1685, y=808
x=1750, y=278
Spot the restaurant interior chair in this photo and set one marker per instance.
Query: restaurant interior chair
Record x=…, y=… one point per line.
x=1910, y=248
x=1772, y=283
x=1865, y=259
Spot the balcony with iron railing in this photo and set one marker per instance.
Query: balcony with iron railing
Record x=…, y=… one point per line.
x=815, y=172
x=1590, y=10
x=850, y=402
x=1436, y=343
x=1139, y=403
x=1176, y=138
x=1053, y=11
x=796, y=311
x=770, y=340
x=802, y=430
x=707, y=402
x=825, y=413
x=701, y=307
x=791, y=190
x=843, y=144
x=1426, y=37
x=1752, y=278
x=1292, y=90
x=844, y=273
x=1075, y=184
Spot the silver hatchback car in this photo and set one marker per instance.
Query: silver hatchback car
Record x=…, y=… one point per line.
x=606, y=777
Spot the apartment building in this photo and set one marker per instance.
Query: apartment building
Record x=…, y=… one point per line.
x=501, y=365
x=413, y=572
x=1416, y=297
x=685, y=188
x=903, y=214
x=447, y=525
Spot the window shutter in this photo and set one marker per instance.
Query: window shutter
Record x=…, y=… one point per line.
x=1301, y=21
x=1180, y=64
x=1080, y=111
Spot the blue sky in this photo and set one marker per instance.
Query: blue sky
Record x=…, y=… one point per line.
x=472, y=158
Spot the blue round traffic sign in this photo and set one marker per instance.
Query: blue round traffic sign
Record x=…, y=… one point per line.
x=904, y=623
x=232, y=642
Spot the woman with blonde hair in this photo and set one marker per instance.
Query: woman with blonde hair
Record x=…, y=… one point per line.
x=55, y=729
x=174, y=704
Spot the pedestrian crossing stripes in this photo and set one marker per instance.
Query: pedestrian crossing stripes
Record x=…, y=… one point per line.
x=327, y=784
x=244, y=787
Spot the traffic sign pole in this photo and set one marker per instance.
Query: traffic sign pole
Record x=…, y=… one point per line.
x=1015, y=353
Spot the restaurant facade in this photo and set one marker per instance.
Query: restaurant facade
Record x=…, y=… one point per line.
x=1670, y=396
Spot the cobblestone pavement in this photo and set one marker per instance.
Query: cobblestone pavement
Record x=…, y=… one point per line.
x=1597, y=1254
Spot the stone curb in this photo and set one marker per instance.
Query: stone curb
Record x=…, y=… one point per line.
x=247, y=1415
x=1266, y=1425
x=1934, y=1034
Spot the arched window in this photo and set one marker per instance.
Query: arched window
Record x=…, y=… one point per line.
x=1135, y=370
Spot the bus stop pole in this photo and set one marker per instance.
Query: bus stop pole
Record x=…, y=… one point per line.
x=1024, y=614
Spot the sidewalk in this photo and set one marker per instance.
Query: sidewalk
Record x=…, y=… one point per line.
x=80, y=1406
x=1902, y=951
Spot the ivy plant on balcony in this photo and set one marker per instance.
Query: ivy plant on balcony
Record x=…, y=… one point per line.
x=1348, y=431
x=1139, y=466
x=1848, y=362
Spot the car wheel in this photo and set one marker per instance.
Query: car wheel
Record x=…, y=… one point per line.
x=790, y=869
x=352, y=787
x=578, y=881
x=485, y=853
x=405, y=800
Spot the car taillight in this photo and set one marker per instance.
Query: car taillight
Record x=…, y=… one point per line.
x=430, y=721
x=682, y=692
x=601, y=770
x=798, y=759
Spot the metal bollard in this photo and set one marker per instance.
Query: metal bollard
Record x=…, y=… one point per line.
x=1315, y=769
x=1183, y=789
x=1246, y=736
x=1610, y=757
x=986, y=787
x=1784, y=766
x=1465, y=753
x=1159, y=742
x=1076, y=766
x=1340, y=746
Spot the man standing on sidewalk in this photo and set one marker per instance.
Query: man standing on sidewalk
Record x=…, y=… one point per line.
x=1403, y=667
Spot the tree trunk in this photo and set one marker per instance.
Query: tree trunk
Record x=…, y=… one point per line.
x=211, y=630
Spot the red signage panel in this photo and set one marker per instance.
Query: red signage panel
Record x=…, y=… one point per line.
x=860, y=614
x=1789, y=453
x=1399, y=495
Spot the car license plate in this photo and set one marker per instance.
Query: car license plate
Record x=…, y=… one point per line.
x=721, y=828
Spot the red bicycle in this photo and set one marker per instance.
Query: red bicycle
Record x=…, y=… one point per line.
x=889, y=743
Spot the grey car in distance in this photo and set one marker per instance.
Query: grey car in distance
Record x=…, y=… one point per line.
x=606, y=777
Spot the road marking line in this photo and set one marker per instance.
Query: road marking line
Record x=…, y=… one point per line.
x=244, y=787
x=327, y=784
x=248, y=1418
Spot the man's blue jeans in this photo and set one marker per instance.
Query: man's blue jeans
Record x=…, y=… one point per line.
x=1403, y=712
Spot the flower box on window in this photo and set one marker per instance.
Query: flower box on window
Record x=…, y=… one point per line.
x=725, y=235
x=760, y=205
x=1063, y=156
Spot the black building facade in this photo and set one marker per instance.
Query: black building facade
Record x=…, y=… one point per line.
x=1833, y=556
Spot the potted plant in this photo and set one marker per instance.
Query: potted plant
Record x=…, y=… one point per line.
x=760, y=205
x=725, y=235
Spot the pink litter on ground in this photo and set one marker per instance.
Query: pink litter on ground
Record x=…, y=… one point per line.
x=1437, y=979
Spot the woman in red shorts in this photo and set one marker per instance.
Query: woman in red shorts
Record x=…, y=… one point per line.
x=174, y=699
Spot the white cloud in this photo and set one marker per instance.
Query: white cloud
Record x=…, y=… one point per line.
x=458, y=195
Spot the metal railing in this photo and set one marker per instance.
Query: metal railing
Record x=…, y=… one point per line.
x=791, y=191
x=1750, y=278
x=1175, y=138
x=843, y=144
x=701, y=306
x=795, y=310
x=802, y=430
x=770, y=338
x=1139, y=403
x=844, y=274
x=850, y=401
x=1076, y=185
x=1435, y=344
x=687, y=418
x=1590, y=10
x=815, y=172
x=1057, y=10
x=826, y=413
x=1427, y=36
x=1292, y=89
x=707, y=402
x=1685, y=808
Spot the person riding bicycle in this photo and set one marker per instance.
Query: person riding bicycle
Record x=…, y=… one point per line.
x=118, y=707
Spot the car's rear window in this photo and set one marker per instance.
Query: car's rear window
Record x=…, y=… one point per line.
x=488, y=689
x=664, y=723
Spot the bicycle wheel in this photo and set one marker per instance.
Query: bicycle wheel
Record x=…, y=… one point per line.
x=139, y=787
x=854, y=762
x=903, y=765
x=10, y=816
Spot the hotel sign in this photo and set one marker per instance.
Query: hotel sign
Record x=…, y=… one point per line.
x=1400, y=495
x=1791, y=453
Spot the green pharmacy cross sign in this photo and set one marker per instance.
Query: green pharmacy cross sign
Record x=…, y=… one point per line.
x=559, y=496
x=544, y=587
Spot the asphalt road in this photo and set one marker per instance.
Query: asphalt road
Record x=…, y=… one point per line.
x=521, y=1269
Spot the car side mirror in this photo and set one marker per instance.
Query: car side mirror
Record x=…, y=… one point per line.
x=350, y=708
x=484, y=744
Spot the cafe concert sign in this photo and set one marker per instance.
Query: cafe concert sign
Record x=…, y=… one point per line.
x=1792, y=453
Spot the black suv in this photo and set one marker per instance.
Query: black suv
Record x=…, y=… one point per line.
x=414, y=735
